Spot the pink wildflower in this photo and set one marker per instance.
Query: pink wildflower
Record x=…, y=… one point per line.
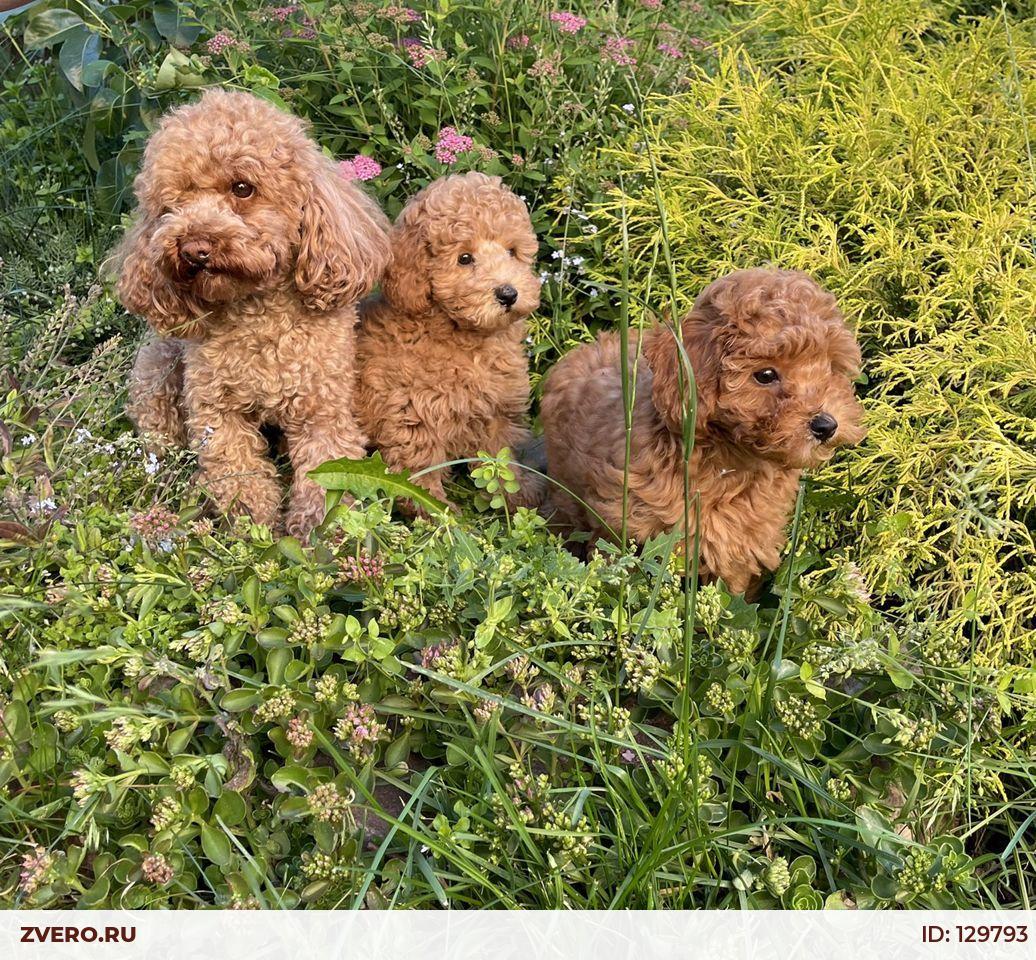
x=547, y=67
x=568, y=22
x=359, y=168
x=420, y=55
x=155, y=524
x=308, y=30
x=519, y=41
x=430, y=656
x=299, y=735
x=35, y=868
x=651, y=4
x=362, y=567
x=670, y=51
x=327, y=804
x=359, y=729
x=156, y=869
x=615, y=49
x=282, y=13
x=400, y=15
x=220, y=42
x=699, y=44
x=450, y=143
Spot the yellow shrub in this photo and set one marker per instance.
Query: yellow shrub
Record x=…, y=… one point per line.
x=890, y=153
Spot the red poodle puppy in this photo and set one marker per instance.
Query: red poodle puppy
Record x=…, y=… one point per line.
x=443, y=372
x=774, y=364
x=248, y=258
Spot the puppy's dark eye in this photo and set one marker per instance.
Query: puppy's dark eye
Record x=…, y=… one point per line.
x=465, y=259
x=769, y=375
x=242, y=189
x=513, y=252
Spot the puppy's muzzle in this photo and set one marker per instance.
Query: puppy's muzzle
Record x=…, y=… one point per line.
x=195, y=255
x=823, y=427
x=506, y=295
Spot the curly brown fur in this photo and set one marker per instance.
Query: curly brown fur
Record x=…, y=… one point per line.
x=252, y=293
x=752, y=439
x=443, y=372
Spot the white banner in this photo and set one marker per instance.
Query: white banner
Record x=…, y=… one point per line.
x=486, y=935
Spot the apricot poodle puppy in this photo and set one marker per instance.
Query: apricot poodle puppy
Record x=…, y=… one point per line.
x=774, y=364
x=443, y=372
x=248, y=258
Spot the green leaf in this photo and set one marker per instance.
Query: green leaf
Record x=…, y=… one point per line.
x=153, y=763
x=293, y=775
x=215, y=844
x=177, y=71
x=251, y=592
x=291, y=550
x=237, y=700
x=382, y=647
x=259, y=78
x=16, y=721
x=272, y=637
x=135, y=841
x=325, y=835
x=171, y=22
x=276, y=661
x=230, y=808
x=874, y=827
x=97, y=894
x=397, y=751
x=178, y=739
x=455, y=757
x=803, y=871
x=315, y=890
x=370, y=478
x=883, y=887
x=47, y=27
x=94, y=72
x=900, y=677
x=80, y=49
x=294, y=808
x=149, y=596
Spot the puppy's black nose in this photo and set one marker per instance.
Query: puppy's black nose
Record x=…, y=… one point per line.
x=823, y=426
x=196, y=252
x=506, y=295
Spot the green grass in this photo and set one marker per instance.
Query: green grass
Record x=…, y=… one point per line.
x=200, y=714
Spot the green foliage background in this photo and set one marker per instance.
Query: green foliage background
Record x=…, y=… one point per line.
x=458, y=712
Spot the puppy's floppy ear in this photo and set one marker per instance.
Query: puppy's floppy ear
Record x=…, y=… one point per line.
x=146, y=291
x=670, y=382
x=845, y=352
x=343, y=247
x=408, y=284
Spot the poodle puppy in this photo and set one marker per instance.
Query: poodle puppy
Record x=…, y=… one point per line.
x=774, y=364
x=443, y=372
x=248, y=258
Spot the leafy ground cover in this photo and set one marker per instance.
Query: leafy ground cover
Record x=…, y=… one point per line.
x=460, y=713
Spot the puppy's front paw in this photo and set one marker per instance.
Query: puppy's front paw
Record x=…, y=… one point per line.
x=254, y=496
x=305, y=513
